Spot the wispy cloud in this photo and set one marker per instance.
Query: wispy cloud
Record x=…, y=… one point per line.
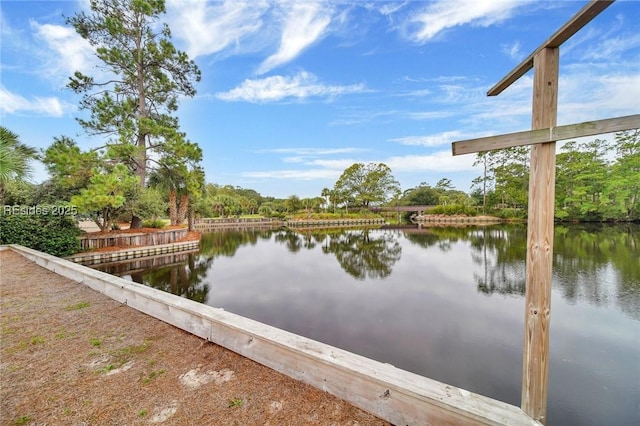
x=304, y=23
x=11, y=103
x=312, y=151
x=429, y=115
x=306, y=174
x=65, y=53
x=207, y=27
x=437, y=139
x=277, y=88
x=444, y=14
x=610, y=49
x=441, y=161
x=512, y=50
x=391, y=8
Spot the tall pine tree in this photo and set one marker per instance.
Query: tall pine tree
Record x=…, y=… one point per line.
x=144, y=75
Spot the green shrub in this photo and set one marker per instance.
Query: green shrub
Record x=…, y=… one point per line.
x=453, y=209
x=44, y=231
x=153, y=223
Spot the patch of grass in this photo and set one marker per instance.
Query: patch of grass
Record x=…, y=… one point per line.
x=66, y=411
x=95, y=342
x=108, y=368
x=77, y=306
x=37, y=340
x=23, y=420
x=152, y=376
x=124, y=355
x=142, y=413
x=235, y=402
x=63, y=335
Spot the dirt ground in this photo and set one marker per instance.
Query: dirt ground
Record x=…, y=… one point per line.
x=72, y=356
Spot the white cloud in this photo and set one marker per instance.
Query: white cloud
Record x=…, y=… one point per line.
x=437, y=139
x=312, y=151
x=276, y=88
x=588, y=96
x=445, y=14
x=11, y=103
x=67, y=52
x=208, y=27
x=429, y=115
x=611, y=48
x=512, y=50
x=295, y=174
x=304, y=24
x=391, y=8
x=441, y=161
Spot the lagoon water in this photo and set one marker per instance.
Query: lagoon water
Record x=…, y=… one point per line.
x=446, y=303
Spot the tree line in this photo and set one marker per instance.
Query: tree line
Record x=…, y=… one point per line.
x=598, y=180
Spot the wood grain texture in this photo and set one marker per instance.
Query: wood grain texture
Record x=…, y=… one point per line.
x=535, y=365
x=548, y=134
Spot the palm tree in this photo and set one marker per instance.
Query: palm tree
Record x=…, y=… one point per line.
x=14, y=159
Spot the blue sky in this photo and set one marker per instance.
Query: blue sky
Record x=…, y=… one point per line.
x=293, y=93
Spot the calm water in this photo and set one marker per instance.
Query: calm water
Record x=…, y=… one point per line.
x=445, y=303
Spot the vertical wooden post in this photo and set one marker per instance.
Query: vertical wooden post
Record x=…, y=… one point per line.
x=535, y=367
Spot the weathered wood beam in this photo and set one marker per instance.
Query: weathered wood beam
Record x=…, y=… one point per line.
x=582, y=18
x=549, y=134
x=539, y=263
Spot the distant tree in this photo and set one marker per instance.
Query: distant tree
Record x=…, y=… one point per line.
x=581, y=175
x=621, y=193
x=145, y=76
x=369, y=184
x=293, y=204
x=444, y=184
x=421, y=195
x=483, y=183
x=14, y=159
x=105, y=193
x=69, y=167
x=179, y=173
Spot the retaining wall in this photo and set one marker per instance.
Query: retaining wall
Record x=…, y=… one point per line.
x=113, y=239
x=208, y=224
x=92, y=258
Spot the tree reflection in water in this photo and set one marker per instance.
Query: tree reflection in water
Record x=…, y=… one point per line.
x=596, y=263
x=360, y=253
x=593, y=262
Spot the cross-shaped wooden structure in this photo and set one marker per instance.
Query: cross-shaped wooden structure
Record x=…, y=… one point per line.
x=545, y=62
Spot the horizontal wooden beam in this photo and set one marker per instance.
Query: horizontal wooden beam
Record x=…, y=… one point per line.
x=395, y=395
x=582, y=18
x=550, y=134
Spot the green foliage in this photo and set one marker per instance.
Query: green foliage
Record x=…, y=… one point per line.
x=104, y=194
x=69, y=167
x=454, y=209
x=154, y=223
x=422, y=195
x=51, y=233
x=147, y=75
x=14, y=159
x=150, y=204
x=362, y=185
x=591, y=184
x=20, y=193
